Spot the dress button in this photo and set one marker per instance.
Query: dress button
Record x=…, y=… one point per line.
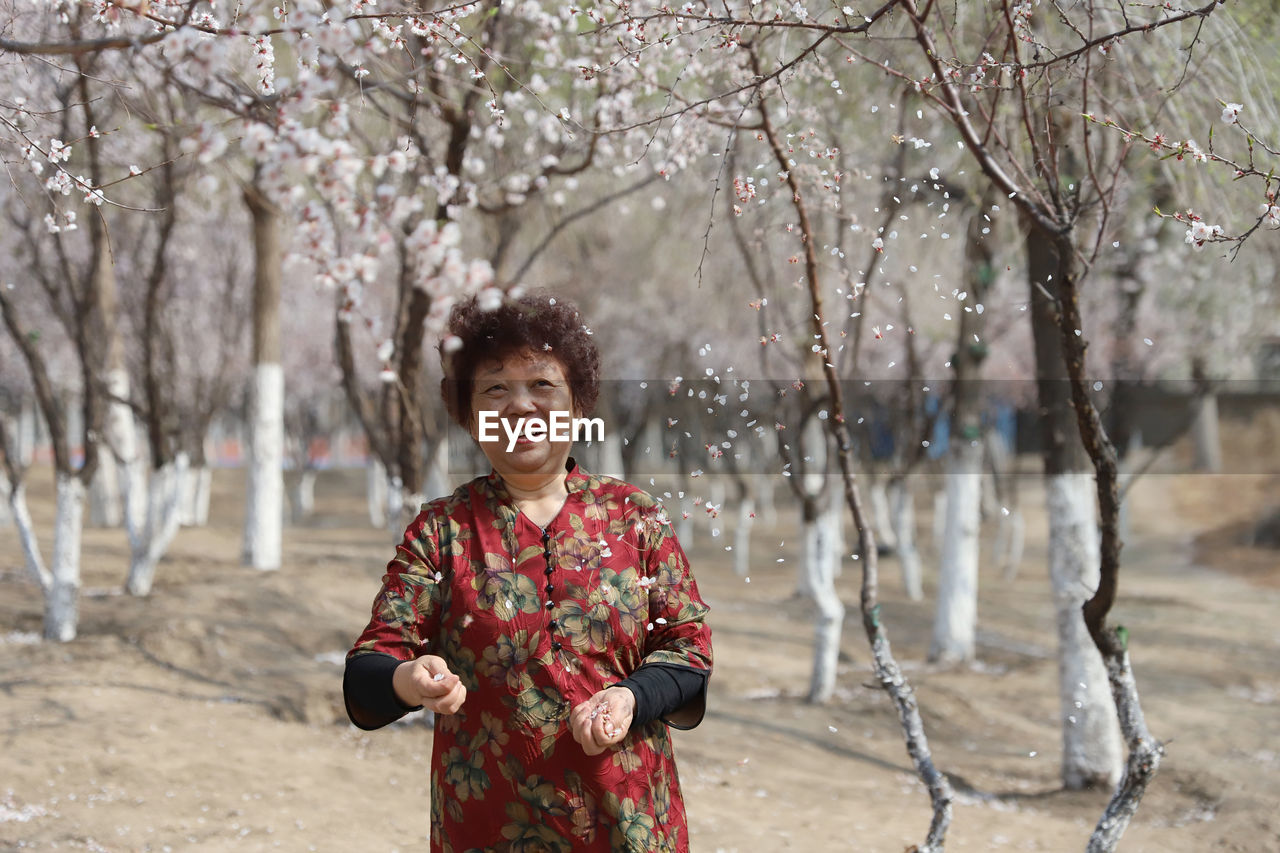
x=550, y=604
x=550, y=588
x=548, y=570
x=553, y=625
x=557, y=646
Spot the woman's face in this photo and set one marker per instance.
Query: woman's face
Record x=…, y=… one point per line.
x=524, y=384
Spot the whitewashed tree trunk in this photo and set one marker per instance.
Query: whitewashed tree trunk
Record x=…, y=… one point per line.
x=1205, y=440
x=1011, y=532
x=956, y=618
x=881, y=518
x=1129, y=470
x=902, y=511
x=820, y=558
x=302, y=495
x=685, y=522
x=611, y=462
x=717, y=490
x=742, y=537
x=120, y=454
x=28, y=433
x=1092, y=752
x=806, y=571
x=105, y=507
x=164, y=504
x=376, y=492
x=27, y=537
x=118, y=491
x=264, y=506
x=766, y=508
x=62, y=602
x=767, y=481
x=1010, y=525
x=989, y=496
x=834, y=522
x=939, y=518
x=396, y=503
x=650, y=457
x=197, y=487
x=437, y=479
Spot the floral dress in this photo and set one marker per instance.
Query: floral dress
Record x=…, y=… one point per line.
x=535, y=622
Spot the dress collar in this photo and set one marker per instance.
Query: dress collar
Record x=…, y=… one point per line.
x=504, y=509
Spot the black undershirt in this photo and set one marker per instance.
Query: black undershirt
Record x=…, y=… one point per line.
x=675, y=694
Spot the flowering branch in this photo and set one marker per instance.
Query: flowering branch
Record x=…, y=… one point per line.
x=887, y=670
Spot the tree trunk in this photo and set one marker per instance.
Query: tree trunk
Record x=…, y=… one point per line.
x=881, y=518
x=124, y=485
x=767, y=508
x=835, y=523
x=1205, y=441
x=28, y=433
x=819, y=564
x=264, y=504
x=438, y=483
x=106, y=509
x=902, y=512
x=611, y=463
x=1091, y=745
x=685, y=523
x=396, y=506
x=302, y=495
x=196, y=489
x=27, y=536
x=1011, y=535
x=376, y=492
x=1010, y=526
x=939, y=526
x=742, y=537
x=1091, y=752
x=7, y=488
x=62, y=603
x=956, y=623
x=164, y=504
x=114, y=492
x=956, y=620
x=767, y=481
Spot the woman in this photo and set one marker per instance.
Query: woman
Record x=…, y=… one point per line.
x=547, y=616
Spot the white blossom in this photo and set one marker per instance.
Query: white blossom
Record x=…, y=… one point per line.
x=1200, y=232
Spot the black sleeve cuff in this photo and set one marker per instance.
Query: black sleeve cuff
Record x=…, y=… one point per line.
x=368, y=692
x=675, y=694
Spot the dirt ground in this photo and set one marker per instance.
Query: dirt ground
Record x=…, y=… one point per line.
x=209, y=716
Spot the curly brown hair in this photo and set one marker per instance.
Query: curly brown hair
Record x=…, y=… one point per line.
x=539, y=322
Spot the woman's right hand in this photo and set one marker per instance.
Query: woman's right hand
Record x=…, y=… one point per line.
x=427, y=681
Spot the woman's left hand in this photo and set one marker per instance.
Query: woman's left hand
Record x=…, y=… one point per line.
x=603, y=720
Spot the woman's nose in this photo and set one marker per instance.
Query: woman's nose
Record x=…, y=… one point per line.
x=521, y=402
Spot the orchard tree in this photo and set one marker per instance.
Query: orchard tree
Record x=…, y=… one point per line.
x=1018, y=84
x=66, y=270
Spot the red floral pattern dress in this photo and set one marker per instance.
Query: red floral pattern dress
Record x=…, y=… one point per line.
x=534, y=624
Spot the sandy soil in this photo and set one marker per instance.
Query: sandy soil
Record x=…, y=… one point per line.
x=209, y=716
